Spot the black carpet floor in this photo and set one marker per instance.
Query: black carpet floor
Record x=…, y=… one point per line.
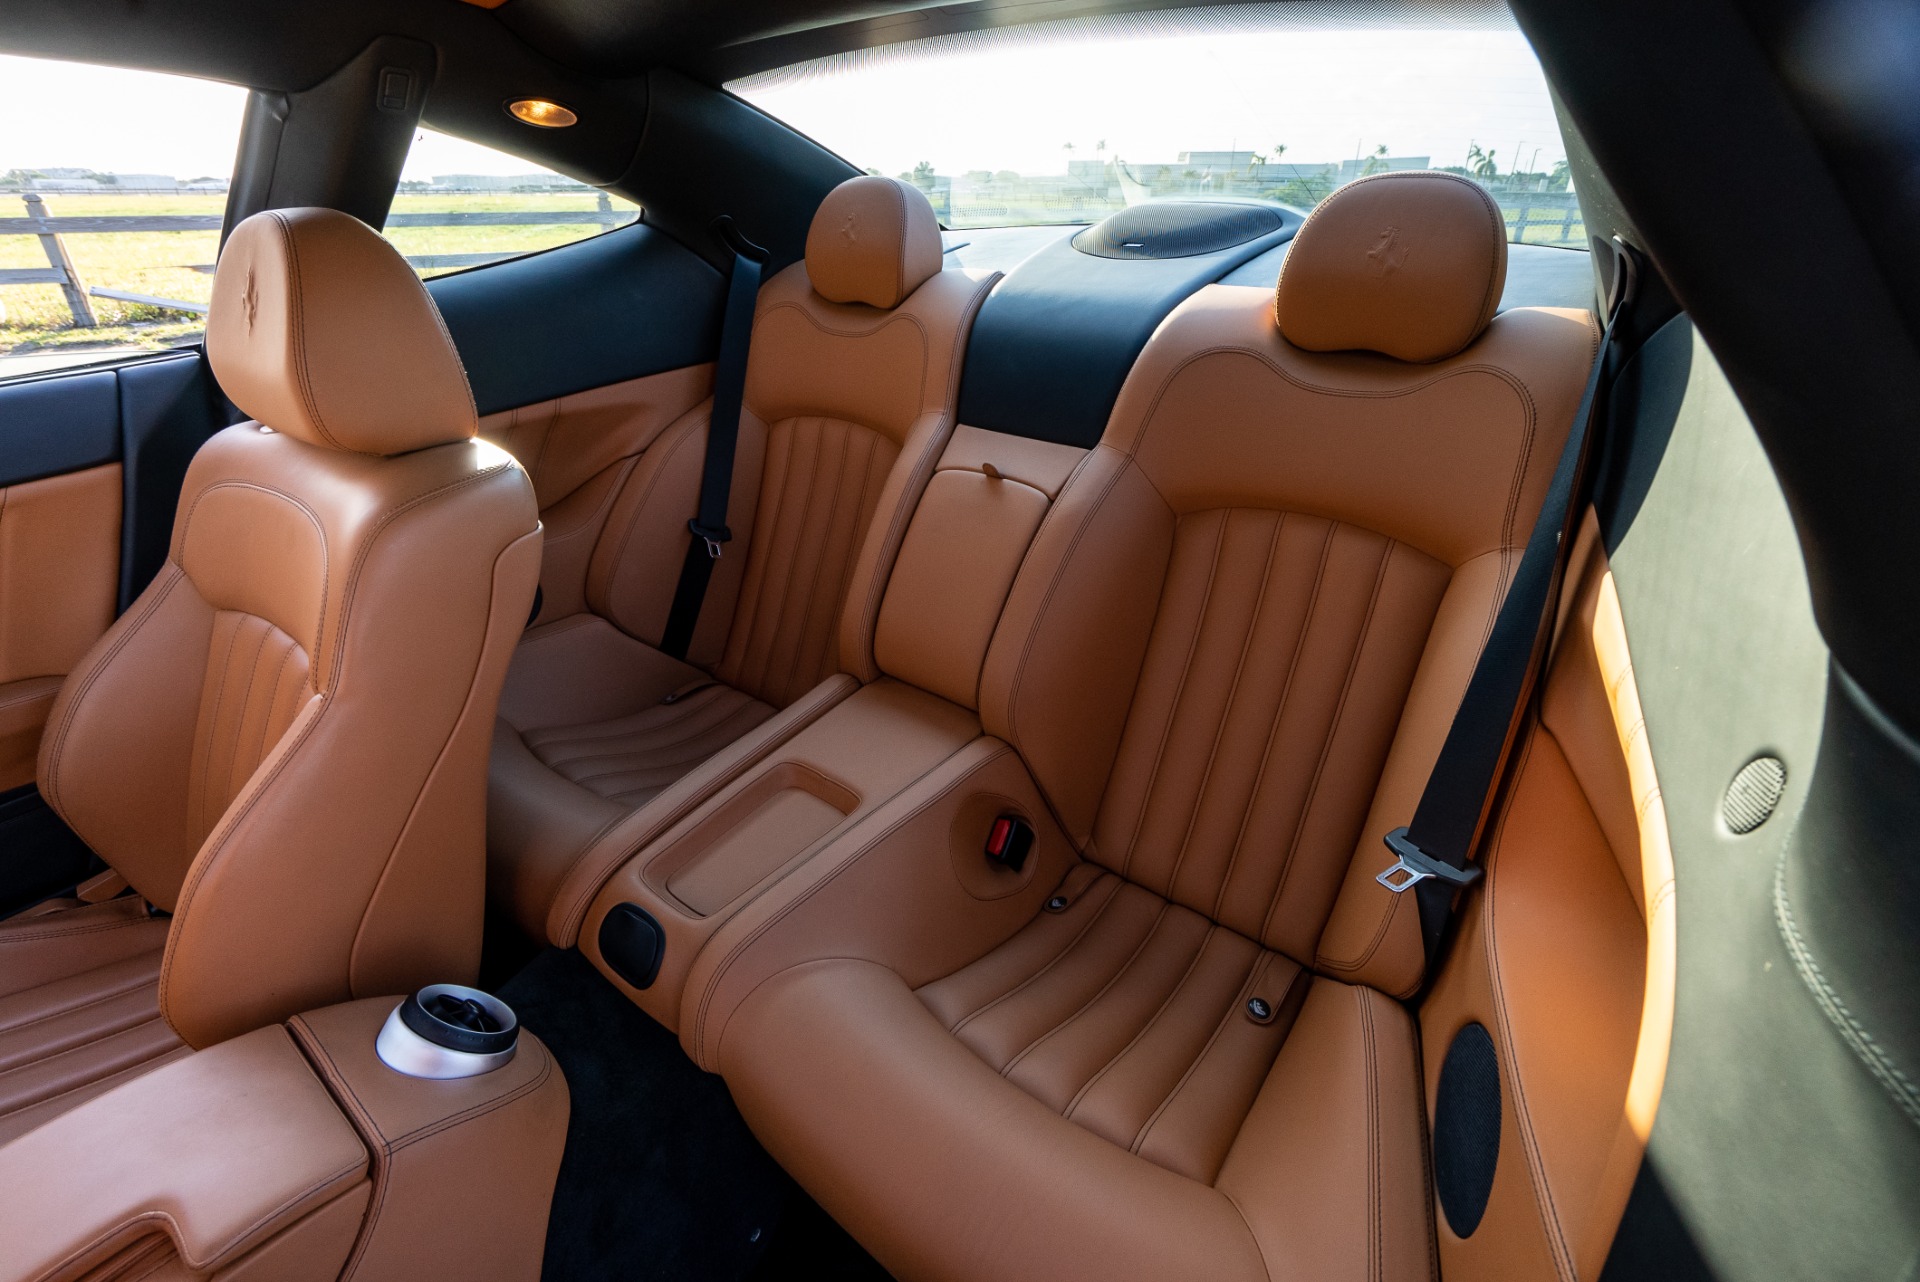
x=661, y=1177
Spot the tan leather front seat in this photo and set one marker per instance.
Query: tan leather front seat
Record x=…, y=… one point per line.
x=283, y=742
x=851, y=383
x=1228, y=661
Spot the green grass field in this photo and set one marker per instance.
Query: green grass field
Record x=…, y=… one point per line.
x=166, y=264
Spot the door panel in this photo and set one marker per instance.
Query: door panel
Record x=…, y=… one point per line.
x=59, y=572
x=578, y=449
x=91, y=463
x=1565, y=956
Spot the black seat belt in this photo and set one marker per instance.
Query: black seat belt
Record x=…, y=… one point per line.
x=1434, y=853
x=709, y=524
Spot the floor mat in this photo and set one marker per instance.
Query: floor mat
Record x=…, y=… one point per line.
x=661, y=1177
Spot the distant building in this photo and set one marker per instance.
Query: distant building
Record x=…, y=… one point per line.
x=501, y=182
x=1361, y=167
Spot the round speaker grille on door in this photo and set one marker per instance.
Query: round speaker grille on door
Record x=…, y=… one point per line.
x=1466, y=1128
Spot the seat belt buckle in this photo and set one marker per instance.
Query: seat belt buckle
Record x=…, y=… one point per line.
x=1412, y=865
x=712, y=535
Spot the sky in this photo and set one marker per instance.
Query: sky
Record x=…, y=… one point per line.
x=1327, y=94
x=985, y=103
x=141, y=122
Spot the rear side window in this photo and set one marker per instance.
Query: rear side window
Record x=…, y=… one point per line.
x=461, y=205
x=110, y=210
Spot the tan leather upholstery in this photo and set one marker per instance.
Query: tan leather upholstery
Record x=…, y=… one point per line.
x=321, y=331
x=79, y=1007
x=848, y=406
x=1567, y=958
x=577, y=450
x=1408, y=264
x=462, y=1170
x=59, y=572
x=235, y=1155
x=873, y=240
x=1227, y=662
x=292, y=1154
x=283, y=740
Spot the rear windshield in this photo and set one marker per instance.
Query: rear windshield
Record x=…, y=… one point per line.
x=1065, y=122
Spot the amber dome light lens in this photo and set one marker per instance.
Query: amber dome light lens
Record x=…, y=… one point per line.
x=540, y=112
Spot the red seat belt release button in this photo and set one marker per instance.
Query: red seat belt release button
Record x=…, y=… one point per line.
x=1008, y=842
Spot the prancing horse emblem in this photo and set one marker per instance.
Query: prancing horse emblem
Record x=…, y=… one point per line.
x=250, y=300
x=848, y=232
x=1389, y=253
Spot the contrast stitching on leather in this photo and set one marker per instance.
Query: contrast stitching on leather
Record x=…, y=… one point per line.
x=297, y=336
x=26, y=697
x=1031, y=639
x=1868, y=1049
x=134, y=985
x=618, y=549
x=811, y=595
x=894, y=317
x=507, y=634
x=1262, y=962
x=852, y=860
x=1120, y=973
x=747, y=599
x=157, y=592
x=1537, y=1181
x=1152, y=784
x=1098, y=914
x=1279, y=710
x=1376, y=1210
x=1199, y=805
x=319, y=529
x=1333, y=731
x=780, y=728
x=1148, y=1025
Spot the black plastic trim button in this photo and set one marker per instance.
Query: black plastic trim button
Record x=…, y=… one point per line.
x=632, y=943
x=1008, y=842
x=1260, y=1010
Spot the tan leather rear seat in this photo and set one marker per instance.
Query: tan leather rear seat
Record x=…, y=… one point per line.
x=851, y=384
x=1228, y=662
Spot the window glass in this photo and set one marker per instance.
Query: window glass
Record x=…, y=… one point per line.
x=110, y=209
x=1065, y=122
x=462, y=205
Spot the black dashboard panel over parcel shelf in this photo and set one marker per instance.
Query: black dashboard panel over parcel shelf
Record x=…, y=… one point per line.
x=618, y=306
x=150, y=413
x=1053, y=343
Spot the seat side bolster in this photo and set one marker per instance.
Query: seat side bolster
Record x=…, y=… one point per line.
x=1062, y=667
x=1332, y=1156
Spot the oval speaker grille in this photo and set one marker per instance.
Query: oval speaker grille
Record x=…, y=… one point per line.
x=1176, y=229
x=1753, y=794
x=1466, y=1128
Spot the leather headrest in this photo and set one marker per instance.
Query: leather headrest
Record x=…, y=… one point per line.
x=1407, y=264
x=874, y=240
x=320, y=330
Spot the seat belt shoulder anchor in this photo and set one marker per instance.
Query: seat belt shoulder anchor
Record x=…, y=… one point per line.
x=1412, y=865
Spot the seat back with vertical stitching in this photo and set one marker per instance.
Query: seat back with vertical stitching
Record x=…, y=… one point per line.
x=849, y=398
x=1240, y=638
x=283, y=741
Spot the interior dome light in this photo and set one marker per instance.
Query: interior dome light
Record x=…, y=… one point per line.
x=540, y=112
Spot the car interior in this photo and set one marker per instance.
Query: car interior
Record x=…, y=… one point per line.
x=1257, y=717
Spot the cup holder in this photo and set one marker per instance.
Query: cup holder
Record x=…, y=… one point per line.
x=447, y=1031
